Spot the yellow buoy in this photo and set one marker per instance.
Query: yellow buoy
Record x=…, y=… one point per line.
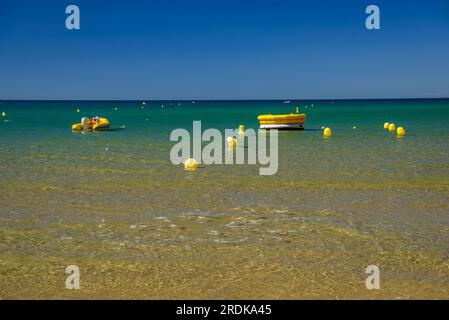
x=400, y=132
x=297, y=109
x=232, y=142
x=4, y=114
x=392, y=127
x=386, y=125
x=241, y=129
x=190, y=164
x=77, y=110
x=354, y=127
x=327, y=132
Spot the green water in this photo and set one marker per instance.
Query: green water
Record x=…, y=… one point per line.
x=139, y=227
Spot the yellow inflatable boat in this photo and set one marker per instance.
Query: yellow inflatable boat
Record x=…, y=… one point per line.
x=92, y=124
x=293, y=121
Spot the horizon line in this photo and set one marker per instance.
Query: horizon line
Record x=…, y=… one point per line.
x=286, y=99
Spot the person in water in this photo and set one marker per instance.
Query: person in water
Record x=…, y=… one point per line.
x=85, y=122
x=88, y=123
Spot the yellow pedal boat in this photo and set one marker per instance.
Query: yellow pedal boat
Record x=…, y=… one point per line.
x=93, y=124
x=292, y=121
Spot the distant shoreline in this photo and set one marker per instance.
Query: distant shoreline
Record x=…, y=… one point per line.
x=292, y=101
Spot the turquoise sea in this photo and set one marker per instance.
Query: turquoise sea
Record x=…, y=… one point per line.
x=140, y=227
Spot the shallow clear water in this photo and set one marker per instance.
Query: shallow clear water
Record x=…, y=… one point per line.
x=140, y=227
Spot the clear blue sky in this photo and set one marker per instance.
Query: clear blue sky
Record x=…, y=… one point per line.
x=223, y=49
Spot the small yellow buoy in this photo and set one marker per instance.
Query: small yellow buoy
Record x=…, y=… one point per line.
x=354, y=127
x=241, y=129
x=386, y=125
x=392, y=127
x=400, y=132
x=327, y=132
x=78, y=110
x=4, y=114
x=297, y=109
x=190, y=164
x=232, y=142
